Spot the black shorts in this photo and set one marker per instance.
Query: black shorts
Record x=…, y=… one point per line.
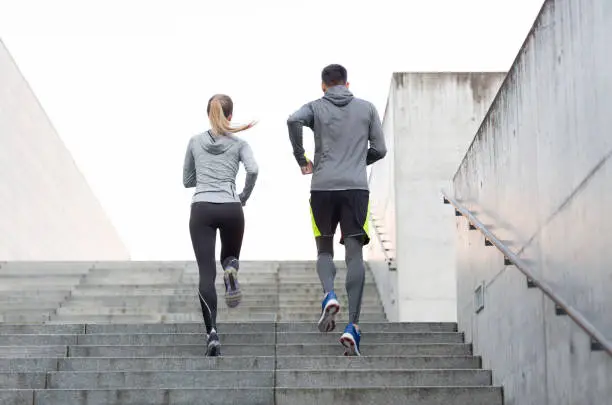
x=349, y=208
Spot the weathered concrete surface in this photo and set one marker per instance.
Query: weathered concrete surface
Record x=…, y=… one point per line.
x=539, y=173
x=429, y=122
x=47, y=210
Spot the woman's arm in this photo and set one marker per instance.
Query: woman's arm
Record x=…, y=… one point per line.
x=252, y=170
x=189, y=172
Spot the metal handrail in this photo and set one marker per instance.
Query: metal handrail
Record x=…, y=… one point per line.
x=588, y=327
x=389, y=260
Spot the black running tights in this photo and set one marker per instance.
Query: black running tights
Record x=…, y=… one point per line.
x=206, y=219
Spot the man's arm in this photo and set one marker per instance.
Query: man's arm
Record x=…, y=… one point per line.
x=189, y=171
x=377, y=149
x=252, y=170
x=302, y=117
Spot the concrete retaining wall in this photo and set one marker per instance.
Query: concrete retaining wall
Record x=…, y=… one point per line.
x=429, y=122
x=539, y=173
x=47, y=210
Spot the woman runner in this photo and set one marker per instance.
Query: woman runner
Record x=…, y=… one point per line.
x=211, y=166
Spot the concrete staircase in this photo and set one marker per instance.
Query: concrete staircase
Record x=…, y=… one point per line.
x=131, y=333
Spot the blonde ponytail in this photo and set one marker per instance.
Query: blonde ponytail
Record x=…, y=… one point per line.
x=217, y=116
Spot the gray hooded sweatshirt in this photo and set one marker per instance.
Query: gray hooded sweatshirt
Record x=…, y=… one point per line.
x=211, y=166
x=348, y=136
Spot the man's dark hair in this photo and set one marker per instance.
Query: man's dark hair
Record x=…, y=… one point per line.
x=334, y=75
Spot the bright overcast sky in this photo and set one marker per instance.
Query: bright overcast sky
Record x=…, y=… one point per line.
x=126, y=83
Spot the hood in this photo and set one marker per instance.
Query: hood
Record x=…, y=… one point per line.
x=338, y=95
x=216, y=144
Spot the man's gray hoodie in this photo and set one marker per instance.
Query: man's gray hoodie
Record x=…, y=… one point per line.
x=343, y=125
x=211, y=166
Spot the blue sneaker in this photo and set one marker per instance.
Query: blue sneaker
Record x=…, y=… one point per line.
x=329, y=308
x=233, y=295
x=350, y=340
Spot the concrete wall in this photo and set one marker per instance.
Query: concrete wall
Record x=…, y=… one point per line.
x=47, y=210
x=539, y=173
x=382, y=206
x=429, y=123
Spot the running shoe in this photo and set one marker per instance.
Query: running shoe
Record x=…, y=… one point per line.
x=350, y=340
x=329, y=308
x=214, y=347
x=233, y=295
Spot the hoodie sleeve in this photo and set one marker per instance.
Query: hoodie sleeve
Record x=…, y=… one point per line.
x=302, y=117
x=189, y=171
x=252, y=170
x=377, y=149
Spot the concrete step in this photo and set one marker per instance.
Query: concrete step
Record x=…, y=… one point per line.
x=375, y=327
x=153, y=396
x=248, y=297
x=390, y=396
x=33, y=351
x=168, y=351
x=242, y=363
x=224, y=328
x=193, y=327
x=197, y=317
x=164, y=364
x=255, y=287
x=376, y=337
x=25, y=316
x=340, y=319
x=87, y=318
x=317, y=295
x=159, y=379
x=382, y=378
x=368, y=349
x=46, y=279
x=377, y=362
x=70, y=308
x=29, y=307
x=23, y=365
x=231, y=338
x=55, y=294
x=192, y=299
x=42, y=272
x=246, y=378
x=22, y=380
x=259, y=396
x=152, y=339
x=314, y=349
x=23, y=267
x=37, y=340
x=34, y=284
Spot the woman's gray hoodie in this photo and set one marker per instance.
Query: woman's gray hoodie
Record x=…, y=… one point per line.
x=211, y=166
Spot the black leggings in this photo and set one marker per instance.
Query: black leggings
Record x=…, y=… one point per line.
x=205, y=219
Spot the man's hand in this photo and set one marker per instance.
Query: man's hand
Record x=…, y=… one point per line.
x=308, y=169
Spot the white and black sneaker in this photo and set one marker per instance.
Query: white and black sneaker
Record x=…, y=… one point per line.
x=233, y=294
x=214, y=346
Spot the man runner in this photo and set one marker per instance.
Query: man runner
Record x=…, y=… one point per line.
x=348, y=137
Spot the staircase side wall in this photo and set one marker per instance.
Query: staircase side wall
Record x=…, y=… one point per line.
x=47, y=210
x=539, y=173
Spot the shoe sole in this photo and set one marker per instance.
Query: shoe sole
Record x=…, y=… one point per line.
x=214, y=349
x=350, y=346
x=233, y=295
x=327, y=323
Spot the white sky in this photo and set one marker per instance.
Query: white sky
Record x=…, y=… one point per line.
x=126, y=83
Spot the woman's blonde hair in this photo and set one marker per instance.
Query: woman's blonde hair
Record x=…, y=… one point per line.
x=220, y=108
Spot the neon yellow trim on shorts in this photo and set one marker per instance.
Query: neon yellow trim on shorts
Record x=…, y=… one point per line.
x=315, y=228
x=366, y=226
